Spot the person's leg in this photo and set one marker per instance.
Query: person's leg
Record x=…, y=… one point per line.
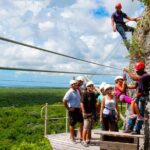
x=85, y=131
x=113, y=124
x=135, y=112
x=131, y=124
x=129, y=29
x=142, y=105
x=72, y=122
x=125, y=98
x=79, y=118
x=138, y=127
x=105, y=123
x=121, y=31
x=72, y=133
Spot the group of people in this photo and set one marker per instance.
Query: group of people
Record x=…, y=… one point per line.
x=84, y=105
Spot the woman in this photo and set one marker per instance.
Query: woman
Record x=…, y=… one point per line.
x=109, y=110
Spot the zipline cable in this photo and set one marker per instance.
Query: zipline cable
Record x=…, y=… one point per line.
x=60, y=54
x=52, y=71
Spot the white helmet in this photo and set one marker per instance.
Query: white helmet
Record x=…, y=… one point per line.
x=80, y=78
x=72, y=82
x=118, y=77
x=102, y=85
x=107, y=86
x=89, y=83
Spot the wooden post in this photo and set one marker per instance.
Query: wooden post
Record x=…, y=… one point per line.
x=46, y=117
x=66, y=120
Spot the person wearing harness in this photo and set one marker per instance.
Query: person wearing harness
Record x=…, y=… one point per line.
x=72, y=100
x=121, y=94
x=118, y=23
x=142, y=86
x=109, y=110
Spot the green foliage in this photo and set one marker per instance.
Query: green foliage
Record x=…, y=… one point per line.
x=146, y=2
x=137, y=50
x=21, y=125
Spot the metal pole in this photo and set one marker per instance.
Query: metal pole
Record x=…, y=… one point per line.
x=66, y=120
x=45, y=129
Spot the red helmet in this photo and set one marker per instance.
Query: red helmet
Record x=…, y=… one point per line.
x=140, y=66
x=118, y=5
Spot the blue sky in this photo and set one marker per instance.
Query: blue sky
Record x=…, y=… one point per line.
x=74, y=27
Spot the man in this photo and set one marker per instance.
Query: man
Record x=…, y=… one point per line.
x=80, y=82
x=142, y=85
x=71, y=101
x=118, y=23
x=88, y=106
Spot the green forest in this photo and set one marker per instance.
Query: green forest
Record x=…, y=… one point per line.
x=21, y=124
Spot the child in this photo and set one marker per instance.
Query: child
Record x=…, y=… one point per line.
x=120, y=92
x=109, y=108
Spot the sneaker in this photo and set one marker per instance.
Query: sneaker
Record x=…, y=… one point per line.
x=88, y=142
x=84, y=143
x=127, y=131
x=135, y=132
x=73, y=141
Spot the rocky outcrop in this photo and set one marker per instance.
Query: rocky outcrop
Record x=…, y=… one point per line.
x=140, y=50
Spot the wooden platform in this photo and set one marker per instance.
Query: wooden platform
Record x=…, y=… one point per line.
x=62, y=142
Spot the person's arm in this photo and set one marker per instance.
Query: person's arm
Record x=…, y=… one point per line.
x=66, y=104
x=113, y=24
x=132, y=75
x=132, y=19
x=102, y=108
x=131, y=86
x=121, y=89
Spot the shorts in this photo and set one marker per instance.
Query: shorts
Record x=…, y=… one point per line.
x=75, y=116
x=88, y=123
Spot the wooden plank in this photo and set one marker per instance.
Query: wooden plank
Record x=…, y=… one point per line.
x=62, y=142
x=119, y=134
x=107, y=145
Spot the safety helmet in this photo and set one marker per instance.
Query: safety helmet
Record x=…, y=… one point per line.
x=139, y=66
x=89, y=83
x=118, y=77
x=72, y=82
x=118, y=5
x=107, y=86
x=102, y=85
x=80, y=78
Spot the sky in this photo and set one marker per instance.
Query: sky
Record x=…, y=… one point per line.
x=79, y=28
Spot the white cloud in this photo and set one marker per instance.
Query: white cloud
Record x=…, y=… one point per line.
x=45, y=26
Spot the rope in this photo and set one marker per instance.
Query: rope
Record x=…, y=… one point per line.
x=51, y=71
x=60, y=54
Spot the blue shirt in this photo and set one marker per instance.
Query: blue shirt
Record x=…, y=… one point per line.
x=100, y=97
x=118, y=17
x=73, y=98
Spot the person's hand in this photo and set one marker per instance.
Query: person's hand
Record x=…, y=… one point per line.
x=100, y=119
x=138, y=18
x=114, y=29
x=125, y=69
x=71, y=109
